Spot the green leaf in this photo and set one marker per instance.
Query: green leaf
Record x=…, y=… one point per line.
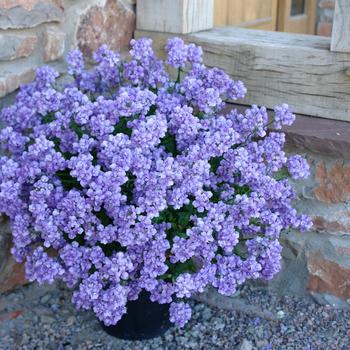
x=103, y=217
x=169, y=143
x=214, y=163
x=245, y=189
x=152, y=110
x=68, y=182
x=94, y=155
x=255, y=221
x=74, y=126
x=48, y=118
x=110, y=248
x=78, y=238
x=179, y=268
x=122, y=127
x=127, y=188
x=240, y=250
x=282, y=174
x=175, y=270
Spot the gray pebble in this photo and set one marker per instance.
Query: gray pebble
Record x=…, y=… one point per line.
x=246, y=345
x=304, y=325
x=44, y=299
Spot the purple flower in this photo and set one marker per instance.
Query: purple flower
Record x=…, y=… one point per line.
x=75, y=62
x=298, y=167
x=180, y=313
x=283, y=116
x=40, y=267
x=126, y=180
x=177, y=52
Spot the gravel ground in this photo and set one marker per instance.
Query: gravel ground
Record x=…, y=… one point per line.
x=42, y=317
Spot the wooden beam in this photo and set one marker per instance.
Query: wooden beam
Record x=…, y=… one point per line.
x=175, y=16
x=341, y=27
x=277, y=67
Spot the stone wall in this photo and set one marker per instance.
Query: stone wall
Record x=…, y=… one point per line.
x=37, y=32
x=317, y=263
x=325, y=13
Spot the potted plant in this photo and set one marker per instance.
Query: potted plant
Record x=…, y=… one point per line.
x=138, y=190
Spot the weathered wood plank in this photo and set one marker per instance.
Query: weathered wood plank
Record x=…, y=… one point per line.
x=278, y=67
x=341, y=27
x=175, y=16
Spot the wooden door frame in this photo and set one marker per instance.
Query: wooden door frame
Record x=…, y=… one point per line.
x=288, y=23
x=222, y=12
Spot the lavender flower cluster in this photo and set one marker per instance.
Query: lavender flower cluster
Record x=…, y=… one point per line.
x=128, y=180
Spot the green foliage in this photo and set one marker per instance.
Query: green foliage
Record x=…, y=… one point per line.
x=103, y=217
x=122, y=127
x=127, y=188
x=282, y=174
x=48, y=118
x=57, y=142
x=74, y=126
x=152, y=110
x=78, y=238
x=94, y=155
x=245, y=189
x=175, y=270
x=68, y=181
x=241, y=250
x=110, y=248
x=214, y=163
x=180, y=220
x=169, y=143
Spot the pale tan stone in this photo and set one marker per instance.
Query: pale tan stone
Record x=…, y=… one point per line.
x=54, y=44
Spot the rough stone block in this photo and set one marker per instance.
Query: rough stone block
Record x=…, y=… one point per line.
x=28, y=14
x=11, y=80
x=16, y=46
x=336, y=223
x=11, y=273
x=112, y=24
x=327, y=276
x=54, y=44
x=334, y=184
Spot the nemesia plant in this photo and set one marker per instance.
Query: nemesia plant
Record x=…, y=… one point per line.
x=128, y=180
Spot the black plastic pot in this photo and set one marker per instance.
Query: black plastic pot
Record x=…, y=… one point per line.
x=144, y=320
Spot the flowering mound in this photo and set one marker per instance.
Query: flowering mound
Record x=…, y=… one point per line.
x=127, y=180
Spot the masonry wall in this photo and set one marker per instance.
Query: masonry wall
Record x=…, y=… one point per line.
x=37, y=32
x=317, y=263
